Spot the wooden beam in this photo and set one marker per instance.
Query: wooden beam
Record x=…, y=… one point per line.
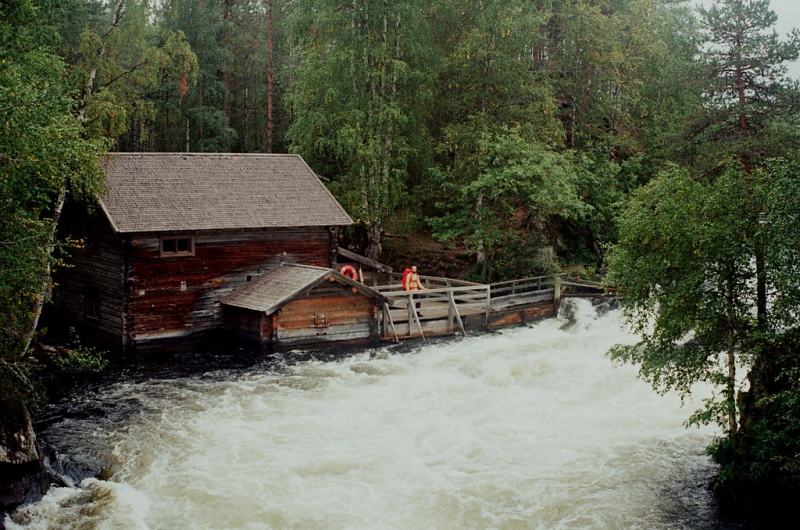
x=412, y=315
x=453, y=310
x=363, y=260
x=387, y=315
x=557, y=293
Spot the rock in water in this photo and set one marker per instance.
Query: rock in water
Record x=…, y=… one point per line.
x=23, y=477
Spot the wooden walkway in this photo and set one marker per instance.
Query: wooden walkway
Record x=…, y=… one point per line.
x=453, y=306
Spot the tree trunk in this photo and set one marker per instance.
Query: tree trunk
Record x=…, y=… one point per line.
x=45, y=279
x=375, y=240
x=743, y=118
x=226, y=39
x=731, y=359
x=761, y=285
x=269, y=76
x=188, y=123
x=88, y=88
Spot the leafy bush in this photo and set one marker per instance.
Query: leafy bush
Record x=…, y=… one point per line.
x=78, y=358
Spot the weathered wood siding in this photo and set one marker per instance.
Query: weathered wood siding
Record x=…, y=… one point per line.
x=243, y=323
x=510, y=316
x=178, y=296
x=350, y=317
x=98, y=267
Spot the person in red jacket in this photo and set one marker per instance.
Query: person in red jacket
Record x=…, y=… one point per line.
x=411, y=282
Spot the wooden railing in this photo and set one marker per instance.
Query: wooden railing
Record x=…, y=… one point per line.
x=455, y=295
x=515, y=288
x=396, y=279
x=446, y=298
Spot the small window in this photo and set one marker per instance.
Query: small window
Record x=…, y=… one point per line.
x=177, y=246
x=92, y=304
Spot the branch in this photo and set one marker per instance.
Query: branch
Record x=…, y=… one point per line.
x=123, y=74
x=19, y=160
x=9, y=243
x=18, y=374
x=709, y=172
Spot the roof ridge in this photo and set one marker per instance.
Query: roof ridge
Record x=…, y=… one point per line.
x=150, y=153
x=307, y=266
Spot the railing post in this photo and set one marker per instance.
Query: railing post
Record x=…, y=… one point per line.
x=450, y=307
x=453, y=311
x=557, y=293
x=488, y=304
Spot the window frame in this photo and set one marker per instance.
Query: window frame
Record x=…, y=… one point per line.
x=176, y=253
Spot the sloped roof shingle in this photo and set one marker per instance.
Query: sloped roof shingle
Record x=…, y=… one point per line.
x=277, y=286
x=155, y=192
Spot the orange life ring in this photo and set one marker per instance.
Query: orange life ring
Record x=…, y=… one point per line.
x=349, y=271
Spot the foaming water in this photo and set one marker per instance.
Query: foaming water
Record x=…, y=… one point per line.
x=531, y=428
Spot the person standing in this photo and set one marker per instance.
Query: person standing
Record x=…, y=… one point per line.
x=411, y=282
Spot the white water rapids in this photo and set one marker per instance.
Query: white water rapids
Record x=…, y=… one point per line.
x=531, y=428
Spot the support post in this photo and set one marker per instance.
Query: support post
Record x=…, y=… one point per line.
x=450, y=311
x=557, y=292
x=387, y=316
x=453, y=312
x=488, y=304
x=413, y=317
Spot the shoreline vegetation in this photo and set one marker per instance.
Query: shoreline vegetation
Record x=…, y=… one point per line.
x=642, y=140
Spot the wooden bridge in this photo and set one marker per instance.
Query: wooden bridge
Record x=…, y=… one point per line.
x=451, y=306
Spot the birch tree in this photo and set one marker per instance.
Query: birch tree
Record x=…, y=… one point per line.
x=352, y=100
x=45, y=157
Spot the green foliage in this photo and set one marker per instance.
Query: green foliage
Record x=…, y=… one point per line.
x=766, y=452
x=708, y=265
x=517, y=187
x=43, y=152
x=44, y=156
x=78, y=358
x=355, y=102
x=684, y=264
x=128, y=75
x=745, y=96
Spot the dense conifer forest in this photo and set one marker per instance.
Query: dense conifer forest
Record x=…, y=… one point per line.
x=639, y=138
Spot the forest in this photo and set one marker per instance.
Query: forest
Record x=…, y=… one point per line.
x=645, y=140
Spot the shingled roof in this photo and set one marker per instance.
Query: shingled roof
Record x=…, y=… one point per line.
x=160, y=192
x=278, y=286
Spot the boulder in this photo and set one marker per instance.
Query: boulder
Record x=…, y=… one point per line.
x=23, y=477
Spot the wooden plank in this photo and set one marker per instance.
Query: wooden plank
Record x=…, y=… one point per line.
x=454, y=311
x=388, y=316
x=350, y=331
x=507, y=318
x=363, y=260
x=412, y=314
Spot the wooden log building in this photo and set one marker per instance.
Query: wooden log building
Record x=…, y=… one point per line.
x=293, y=306
x=185, y=245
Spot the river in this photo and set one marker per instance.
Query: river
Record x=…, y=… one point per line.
x=533, y=427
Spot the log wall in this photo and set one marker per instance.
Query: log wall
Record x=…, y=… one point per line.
x=331, y=312
x=96, y=268
x=177, y=296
